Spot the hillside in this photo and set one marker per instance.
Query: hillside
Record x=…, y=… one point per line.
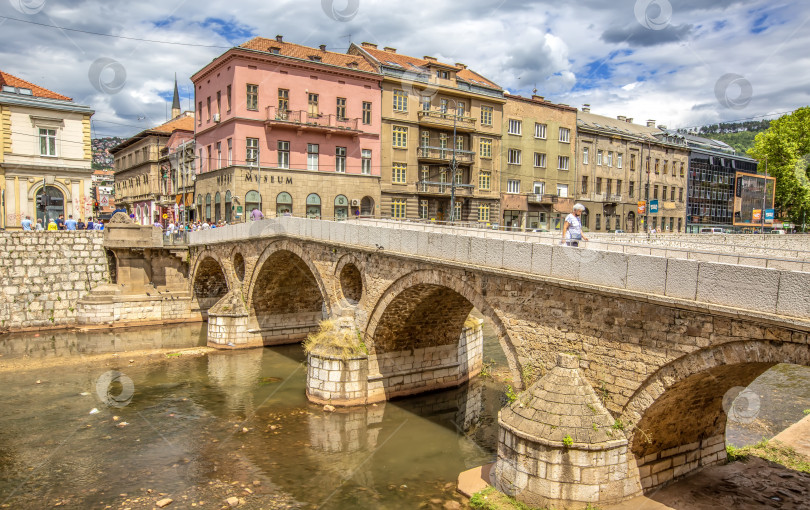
x=102, y=159
x=739, y=135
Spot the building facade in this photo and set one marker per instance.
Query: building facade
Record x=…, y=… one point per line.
x=103, y=192
x=621, y=166
x=137, y=169
x=538, y=162
x=44, y=148
x=425, y=103
x=177, y=175
x=287, y=129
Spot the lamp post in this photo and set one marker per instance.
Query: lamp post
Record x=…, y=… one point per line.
x=764, y=193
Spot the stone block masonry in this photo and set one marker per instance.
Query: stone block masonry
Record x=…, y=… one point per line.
x=44, y=274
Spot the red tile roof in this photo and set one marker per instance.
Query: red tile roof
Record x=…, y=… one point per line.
x=305, y=52
x=36, y=90
x=185, y=123
x=410, y=63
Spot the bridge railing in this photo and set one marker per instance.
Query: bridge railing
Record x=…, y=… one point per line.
x=756, y=285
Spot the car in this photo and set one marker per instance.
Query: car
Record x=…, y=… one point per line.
x=777, y=231
x=618, y=231
x=711, y=230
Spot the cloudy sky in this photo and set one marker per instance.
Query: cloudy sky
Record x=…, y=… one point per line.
x=680, y=62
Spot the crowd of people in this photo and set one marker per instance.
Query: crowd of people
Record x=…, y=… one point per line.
x=194, y=226
x=60, y=223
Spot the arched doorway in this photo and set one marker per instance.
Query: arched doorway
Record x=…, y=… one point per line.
x=341, y=207
x=367, y=207
x=630, y=225
x=313, y=206
x=252, y=201
x=228, y=206
x=217, y=207
x=283, y=204
x=56, y=205
x=208, y=207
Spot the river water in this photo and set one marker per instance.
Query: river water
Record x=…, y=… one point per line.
x=89, y=431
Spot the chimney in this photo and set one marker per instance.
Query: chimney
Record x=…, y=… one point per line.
x=459, y=64
x=586, y=108
x=390, y=49
x=322, y=47
x=538, y=98
x=651, y=123
x=629, y=120
x=279, y=38
x=368, y=45
x=622, y=118
x=430, y=59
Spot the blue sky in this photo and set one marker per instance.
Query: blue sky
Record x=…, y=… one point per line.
x=667, y=60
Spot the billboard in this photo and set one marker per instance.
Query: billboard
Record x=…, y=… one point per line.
x=752, y=194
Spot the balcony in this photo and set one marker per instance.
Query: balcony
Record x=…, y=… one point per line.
x=303, y=120
x=542, y=199
x=444, y=120
x=610, y=197
x=443, y=155
x=443, y=189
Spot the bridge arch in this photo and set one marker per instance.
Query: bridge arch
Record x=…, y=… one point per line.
x=440, y=303
x=209, y=282
x=286, y=296
x=677, y=418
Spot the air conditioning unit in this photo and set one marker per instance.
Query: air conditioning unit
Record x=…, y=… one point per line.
x=216, y=117
x=355, y=203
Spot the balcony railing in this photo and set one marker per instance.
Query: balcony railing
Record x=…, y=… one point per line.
x=434, y=188
x=445, y=119
x=542, y=199
x=445, y=154
x=307, y=120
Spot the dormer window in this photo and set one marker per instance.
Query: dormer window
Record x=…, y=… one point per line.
x=275, y=50
x=442, y=74
x=315, y=58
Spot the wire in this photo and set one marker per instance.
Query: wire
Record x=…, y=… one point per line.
x=114, y=36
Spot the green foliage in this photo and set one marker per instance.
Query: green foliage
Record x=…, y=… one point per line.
x=773, y=451
x=786, y=147
x=333, y=341
x=617, y=425
x=568, y=440
x=742, y=142
x=806, y=412
x=510, y=393
x=526, y=375
x=491, y=499
x=487, y=368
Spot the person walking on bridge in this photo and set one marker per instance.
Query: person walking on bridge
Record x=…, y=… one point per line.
x=572, y=228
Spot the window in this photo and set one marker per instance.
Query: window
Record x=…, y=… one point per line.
x=425, y=103
x=539, y=160
x=400, y=101
x=398, y=174
x=618, y=186
x=459, y=143
x=515, y=127
x=562, y=162
x=486, y=115
x=252, y=97
x=423, y=209
x=442, y=74
x=599, y=158
x=598, y=225
x=484, y=181
x=565, y=135
x=230, y=151
x=539, y=187
x=340, y=109
x=674, y=170
x=47, y=142
x=365, y=162
x=609, y=187
x=618, y=160
x=680, y=196
x=631, y=189
x=398, y=208
x=540, y=131
x=657, y=169
x=313, y=151
x=228, y=104
x=666, y=167
x=208, y=107
x=219, y=101
x=366, y=112
x=513, y=157
x=562, y=190
x=513, y=186
x=486, y=148
x=425, y=139
x=400, y=137
x=340, y=160
x=664, y=193
x=483, y=212
x=610, y=159
x=632, y=162
x=655, y=192
x=199, y=113
x=312, y=105
x=219, y=154
x=283, y=103
x=598, y=185
x=672, y=194
x=584, y=155
x=681, y=172
x=283, y=154
x=460, y=110
x=457, y=210
x=252, y=156
x=443, y=103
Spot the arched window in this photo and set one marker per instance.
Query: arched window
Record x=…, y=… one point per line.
x=313, y=206
x=199, y=207
x=228, y=206
x=208, y=207
x=341, y=207
x=56, y=205
x=252, y=201
x=367, y=207
x=217, y=207
x=283, y=204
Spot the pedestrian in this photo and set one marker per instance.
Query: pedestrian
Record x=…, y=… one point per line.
x=26, y=223
x=80, y=225
x=572, y=228
x=39, y=224
x=70, y=224
x=60, y=222
x=90, y=223
x=52, y=225
x=256, y=215
x=98, y=225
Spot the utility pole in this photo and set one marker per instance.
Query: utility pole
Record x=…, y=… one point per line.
x=764, y=193
x=647, y=191
x=453, y=166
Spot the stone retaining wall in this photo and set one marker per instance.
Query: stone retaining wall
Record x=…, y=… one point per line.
x=44, y=274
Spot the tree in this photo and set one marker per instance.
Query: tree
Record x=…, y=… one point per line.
x=785, y=148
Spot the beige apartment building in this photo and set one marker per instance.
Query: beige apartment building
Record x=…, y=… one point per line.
x=621, y=164
x=424, y=102
x=538, y=162
x=44, y=148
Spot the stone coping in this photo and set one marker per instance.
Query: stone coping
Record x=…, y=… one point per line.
x=332, y=357
x=607, y=445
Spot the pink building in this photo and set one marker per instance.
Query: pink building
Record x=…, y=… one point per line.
x=285, y=128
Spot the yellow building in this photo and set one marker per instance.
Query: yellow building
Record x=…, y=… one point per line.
x=619, y=160
x=424, y=102
x=538, y=161
x=44, y=147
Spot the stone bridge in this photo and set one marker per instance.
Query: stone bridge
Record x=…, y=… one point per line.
x=627, y=363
